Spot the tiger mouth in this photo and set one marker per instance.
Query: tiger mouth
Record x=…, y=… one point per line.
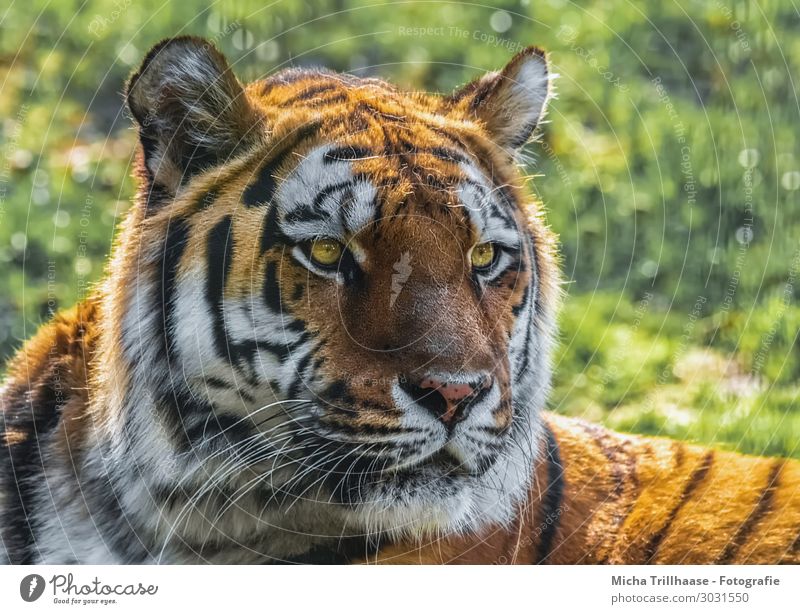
x=442, y=463
x=445, y=461
x=424, y=478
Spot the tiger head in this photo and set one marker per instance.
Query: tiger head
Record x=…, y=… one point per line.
x=341, y=285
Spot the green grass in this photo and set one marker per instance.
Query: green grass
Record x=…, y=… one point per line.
x=644, y=372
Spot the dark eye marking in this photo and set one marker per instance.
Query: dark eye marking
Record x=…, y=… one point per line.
x=516, y=265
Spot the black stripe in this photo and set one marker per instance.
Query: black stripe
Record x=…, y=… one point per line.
x=527, y=295
x=611, y=452
x=261, y=191
x=452, y=138
x=334, y=188
x=207, y=199
x=795, y=547
x=697, y=477
x=181, y=407
x=340, y=418
x=504, y=210
x=271, y=234
x=446, y=154
x=332, y=99
x=157, y=195
x=524, y=134
x=622, y=465
x=164, y=299
x=302, y=215
x=215, y=382
x=177, y=236
x=342, y=192
x=757, y=513
x=536, y=268
x=377, y=113
x=309, y=93
x=296, y=387
x=28, y=412
x=219, y=384
x=680, y=453
x=526, y=350
x=552, y=499
x=338, y=392
x=346, y=153
x=295, y=326
x=280, y=350
x=219, y=258
x=131, y=542
x=210, y=197
x=224, y=431
x=272, y=288
x=175, y=243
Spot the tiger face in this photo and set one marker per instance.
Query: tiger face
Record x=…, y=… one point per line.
x=355, y=294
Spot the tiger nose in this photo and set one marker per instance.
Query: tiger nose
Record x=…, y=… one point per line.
x=454, y=392
x=449, y=400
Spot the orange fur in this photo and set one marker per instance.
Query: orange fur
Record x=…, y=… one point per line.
x=638, y=500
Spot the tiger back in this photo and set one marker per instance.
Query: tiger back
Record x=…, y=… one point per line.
x=601, y=497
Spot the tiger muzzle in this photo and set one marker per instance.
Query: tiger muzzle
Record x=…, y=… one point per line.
x=449, y=399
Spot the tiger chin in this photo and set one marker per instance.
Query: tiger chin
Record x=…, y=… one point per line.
x=324, y=335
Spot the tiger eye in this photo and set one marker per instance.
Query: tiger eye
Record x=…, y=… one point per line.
x=326, y=252
x=482, y=255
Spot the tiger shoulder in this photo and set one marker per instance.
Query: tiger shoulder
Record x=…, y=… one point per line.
x=602, y=497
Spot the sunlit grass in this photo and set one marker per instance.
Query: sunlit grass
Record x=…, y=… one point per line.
x=639, y=380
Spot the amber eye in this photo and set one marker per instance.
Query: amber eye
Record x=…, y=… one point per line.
x=482, y=255
x=326, y=252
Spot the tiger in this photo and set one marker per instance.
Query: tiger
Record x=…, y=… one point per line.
x=325, y=335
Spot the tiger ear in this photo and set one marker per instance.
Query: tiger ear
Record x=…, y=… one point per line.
x=509, y=103
x=191, y=110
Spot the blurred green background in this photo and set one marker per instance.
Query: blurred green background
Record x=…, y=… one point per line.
x=669, y=167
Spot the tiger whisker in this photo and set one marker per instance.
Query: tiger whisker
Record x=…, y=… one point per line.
x=319, y=465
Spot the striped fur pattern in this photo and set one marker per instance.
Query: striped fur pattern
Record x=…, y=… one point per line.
x=224, y=397
x=599, y=497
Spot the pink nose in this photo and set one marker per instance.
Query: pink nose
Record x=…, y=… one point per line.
x=452, y=392
x=455, y=398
